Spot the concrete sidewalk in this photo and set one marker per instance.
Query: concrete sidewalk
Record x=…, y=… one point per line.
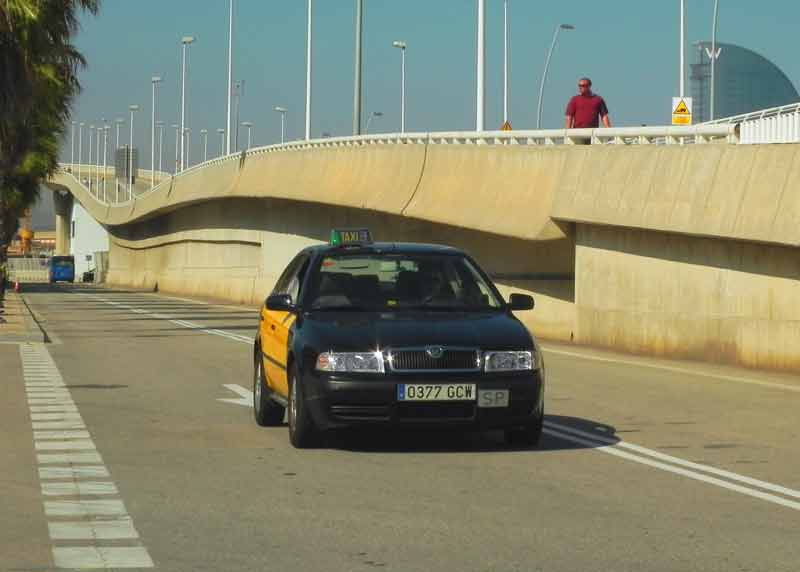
x=17, y=323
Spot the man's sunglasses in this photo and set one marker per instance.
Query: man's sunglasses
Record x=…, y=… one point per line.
x=583, y=85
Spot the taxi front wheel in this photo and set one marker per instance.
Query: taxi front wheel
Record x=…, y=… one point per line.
x=267, y=412
x=303, y=433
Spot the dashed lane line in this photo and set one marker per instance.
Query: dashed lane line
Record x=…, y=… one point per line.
x=88, y=523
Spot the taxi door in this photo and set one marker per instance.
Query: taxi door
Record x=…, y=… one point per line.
x=276, y=328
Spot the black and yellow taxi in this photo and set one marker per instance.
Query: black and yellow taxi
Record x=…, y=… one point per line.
x=358, y=332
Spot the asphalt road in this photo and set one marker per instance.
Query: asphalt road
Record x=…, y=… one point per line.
x=645, y=465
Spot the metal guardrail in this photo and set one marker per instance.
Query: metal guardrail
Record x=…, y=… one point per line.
x=773, y=125
x=656, y=135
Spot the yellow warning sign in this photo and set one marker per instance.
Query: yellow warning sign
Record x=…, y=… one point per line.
x=681, y=110
x=506, y=126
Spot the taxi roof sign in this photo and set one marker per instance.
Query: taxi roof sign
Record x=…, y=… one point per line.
x=347, y=236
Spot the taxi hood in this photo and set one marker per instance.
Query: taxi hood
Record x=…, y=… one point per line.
x=361, y=331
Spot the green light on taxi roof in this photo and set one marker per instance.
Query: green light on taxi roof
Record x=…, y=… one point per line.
x=345, y=236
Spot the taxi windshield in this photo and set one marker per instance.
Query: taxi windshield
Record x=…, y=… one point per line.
x=400, y=281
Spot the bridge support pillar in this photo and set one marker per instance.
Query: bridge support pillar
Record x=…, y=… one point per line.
x=63, y=208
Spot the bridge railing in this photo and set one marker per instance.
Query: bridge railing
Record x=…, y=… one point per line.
x=654, y=135
x=772, y=125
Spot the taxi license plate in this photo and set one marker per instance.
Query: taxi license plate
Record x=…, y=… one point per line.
x=436, y=392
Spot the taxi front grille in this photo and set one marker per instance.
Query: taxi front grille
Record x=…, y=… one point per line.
x=419, y=359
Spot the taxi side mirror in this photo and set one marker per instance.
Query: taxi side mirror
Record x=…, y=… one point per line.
x=280, y=303
x=520, y=302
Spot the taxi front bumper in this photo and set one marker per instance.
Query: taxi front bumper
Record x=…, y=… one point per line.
x=339, y=401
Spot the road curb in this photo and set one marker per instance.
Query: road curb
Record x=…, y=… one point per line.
x=19, y=324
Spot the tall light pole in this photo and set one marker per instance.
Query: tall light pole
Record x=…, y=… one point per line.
x=72, y=148
x=249, y=126
x=682, y=49
x=177, y=145
x=80, y=148
x=505, y=62
x=402, y=47
x=238, y=90
x=105, y=162
x=481, y=68
x=221, y=142
x=155, y=80
x=185, y=41
x=97, y=156
x=714, y=54
x=358, y=62
x=372, y=115
x=187, y=134
x=308, y=68
x=118, y=123
x=204, y=135
x=133, y=109
x=227, y=150
x=160, y=125
x=282, y=111
x=91, y=134
x=546, y=67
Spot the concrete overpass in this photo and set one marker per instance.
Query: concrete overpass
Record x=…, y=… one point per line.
x=667, y=241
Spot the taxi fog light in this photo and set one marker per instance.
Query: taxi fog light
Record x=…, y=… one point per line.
x=508, y=361
x=360, y=362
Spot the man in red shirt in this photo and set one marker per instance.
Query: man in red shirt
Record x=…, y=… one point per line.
x=586, y=109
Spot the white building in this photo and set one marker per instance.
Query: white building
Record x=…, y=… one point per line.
x=88, y=238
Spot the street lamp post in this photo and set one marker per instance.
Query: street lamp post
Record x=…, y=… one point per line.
x=133, y=109
x=204, y=135
x=546, y=67
x=282, y=111
x=238, y=92
x=309, y=30
x=72, y=148
x=155, y=80
x=80, y=148
x=187, y=134
x=91, y=134
x=249, y=126
x=185, y=41
x=481, y=68
x=505, y=63
x=402, y=47
x=358, y=62
x=714, y=54
x=97, y=157
x=177, y=145
x=682, y=50
x=106, y=129
x=118, y=123
x=227, y=150
x=221, y=142
x=160, y=125
x=372, y=115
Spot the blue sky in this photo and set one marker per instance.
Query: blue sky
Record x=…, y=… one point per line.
x=628, y=47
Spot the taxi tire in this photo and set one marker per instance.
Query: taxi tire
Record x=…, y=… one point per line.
x=303, y=433
x=526, y=436
x=267, y=412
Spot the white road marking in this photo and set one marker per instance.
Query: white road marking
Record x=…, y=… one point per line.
x=101, y=557
x=71, y=424
x=69, y=458
x=115, y=529
x=678, y=461
x=246, y=398
x=39, y=435
x=68, y=471
x=73, y=472
x=603, y=447
x=73, y=445
x=78, y=488
x=721, y=377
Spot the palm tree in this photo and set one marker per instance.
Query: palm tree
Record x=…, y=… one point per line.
x=38, y=82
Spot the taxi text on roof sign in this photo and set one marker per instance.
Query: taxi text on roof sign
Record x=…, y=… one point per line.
x=344, y=236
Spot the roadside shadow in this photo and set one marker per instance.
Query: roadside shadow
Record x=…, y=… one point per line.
x=560, y=433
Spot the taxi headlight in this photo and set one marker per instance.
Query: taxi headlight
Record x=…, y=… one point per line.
x=509, y=361
x=357, y=362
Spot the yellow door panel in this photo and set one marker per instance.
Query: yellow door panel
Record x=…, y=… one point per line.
x=274, y=339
